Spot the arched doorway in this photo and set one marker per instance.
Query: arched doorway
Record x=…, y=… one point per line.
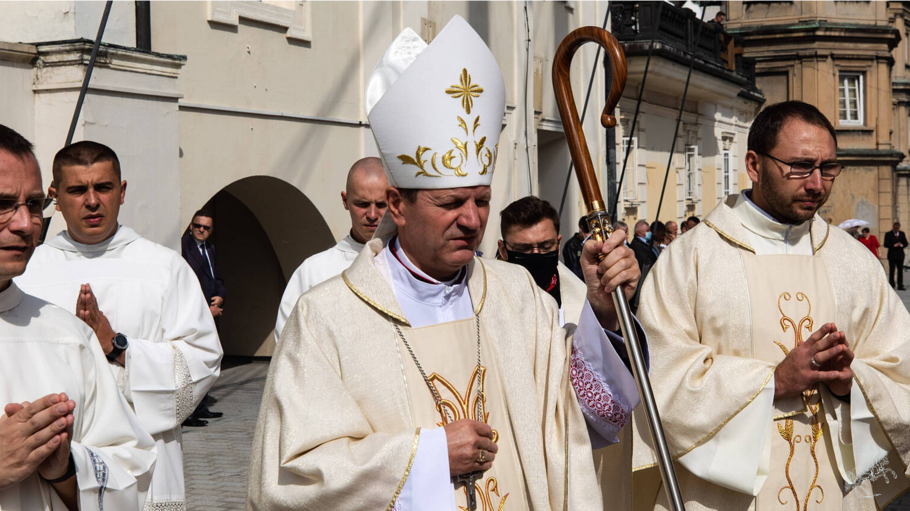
x=264, y=229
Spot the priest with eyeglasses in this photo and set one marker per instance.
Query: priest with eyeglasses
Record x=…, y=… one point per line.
x=780, y=356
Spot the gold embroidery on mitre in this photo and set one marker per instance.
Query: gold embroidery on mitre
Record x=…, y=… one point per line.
x=457, y=157
x=465, y=90
x=811, y=398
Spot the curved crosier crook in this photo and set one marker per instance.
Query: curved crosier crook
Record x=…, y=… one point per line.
x=600, y=223
x=565, y=100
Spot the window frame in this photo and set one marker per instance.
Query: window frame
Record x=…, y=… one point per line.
x=860, y=98
x=727, y=172
x=629, y=186
x=690, y=182
x=298, y=21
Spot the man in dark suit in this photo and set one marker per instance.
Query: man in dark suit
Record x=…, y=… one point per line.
x=200, y=255
x=895, y=242
x=646, y=257
x=642, y=247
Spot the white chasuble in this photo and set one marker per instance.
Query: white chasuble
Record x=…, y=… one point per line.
x=347, y=422
x=448, y=354
x=46, y=350
x=150, y=295
x=722, y=307
x=791, y=298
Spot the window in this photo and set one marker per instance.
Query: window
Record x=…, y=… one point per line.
x=630, y=180
x=691, y=171
x=728, y=173
x=851, y=98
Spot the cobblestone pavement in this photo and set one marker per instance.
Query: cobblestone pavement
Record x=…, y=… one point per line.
x=217, y=457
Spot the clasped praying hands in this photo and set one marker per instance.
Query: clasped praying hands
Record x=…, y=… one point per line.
x=824, y=357
x=36, y=437
x=87, y=310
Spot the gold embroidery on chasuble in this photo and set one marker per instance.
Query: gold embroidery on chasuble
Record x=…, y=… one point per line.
x=791, y=298
x=457, y=157
x=448, y=353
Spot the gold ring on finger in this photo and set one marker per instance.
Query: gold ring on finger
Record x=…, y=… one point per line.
x=482, y=457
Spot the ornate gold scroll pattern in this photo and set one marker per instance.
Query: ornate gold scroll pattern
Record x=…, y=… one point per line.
x=485, y=496
x=456, y=157
x=465, y=90
x=812, y=400
x=463, y=407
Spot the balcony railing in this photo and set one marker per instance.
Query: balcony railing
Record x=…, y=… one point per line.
x=636, y=24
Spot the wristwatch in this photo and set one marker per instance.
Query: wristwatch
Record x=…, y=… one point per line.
x=120, y=345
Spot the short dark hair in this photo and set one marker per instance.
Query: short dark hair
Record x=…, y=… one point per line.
x=527, y=212
x=84, y=154
x=865, y=229
x=204, y=213
x=693, y=219
x=15, y=144
x=766, y=127
x=583, y=225
x=720, y=13
x=409, y=194
x=658, y=231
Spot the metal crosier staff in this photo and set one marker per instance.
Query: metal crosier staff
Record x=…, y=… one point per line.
x=599, y=221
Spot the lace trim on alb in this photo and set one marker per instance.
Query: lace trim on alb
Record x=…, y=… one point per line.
x=183, y=385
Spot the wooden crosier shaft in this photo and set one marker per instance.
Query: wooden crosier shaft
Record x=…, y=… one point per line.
x=599, y=222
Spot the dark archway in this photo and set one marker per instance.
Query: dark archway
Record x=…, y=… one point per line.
x=264, y=229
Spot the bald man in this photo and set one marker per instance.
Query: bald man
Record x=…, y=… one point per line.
x=364, y=199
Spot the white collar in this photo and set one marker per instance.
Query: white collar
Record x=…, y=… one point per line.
x=123, y=236
x=11, y=297
x=350, y=245
x=762, y=224
x=198, y=243
x=429, y=291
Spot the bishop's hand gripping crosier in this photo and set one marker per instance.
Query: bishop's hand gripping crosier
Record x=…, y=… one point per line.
x=599, y=220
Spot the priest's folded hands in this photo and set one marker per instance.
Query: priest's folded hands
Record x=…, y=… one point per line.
x=36, y=437
x=824, y=357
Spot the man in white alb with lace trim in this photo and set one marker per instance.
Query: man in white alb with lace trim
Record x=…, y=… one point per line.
x=424, y=378
x=364, y=199
x=68, y=440
x=142, y=300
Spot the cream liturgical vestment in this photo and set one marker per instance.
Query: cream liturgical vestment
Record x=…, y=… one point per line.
x=723, y=306
x=46, y=350
x=316, y=269
x=150, y=295
x=347, y=421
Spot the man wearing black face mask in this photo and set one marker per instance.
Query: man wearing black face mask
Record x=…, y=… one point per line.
x=530, y=238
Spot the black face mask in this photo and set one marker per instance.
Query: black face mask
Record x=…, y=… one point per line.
x=543, y=268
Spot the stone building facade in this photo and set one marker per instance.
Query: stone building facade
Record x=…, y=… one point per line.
x=851, y=60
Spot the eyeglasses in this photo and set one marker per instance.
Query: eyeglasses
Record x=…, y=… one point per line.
x=203, y=227
x=541, y=248
x=804, y=169
x=35, y=207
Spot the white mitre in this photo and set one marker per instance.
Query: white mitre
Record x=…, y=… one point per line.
x=436, y=110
